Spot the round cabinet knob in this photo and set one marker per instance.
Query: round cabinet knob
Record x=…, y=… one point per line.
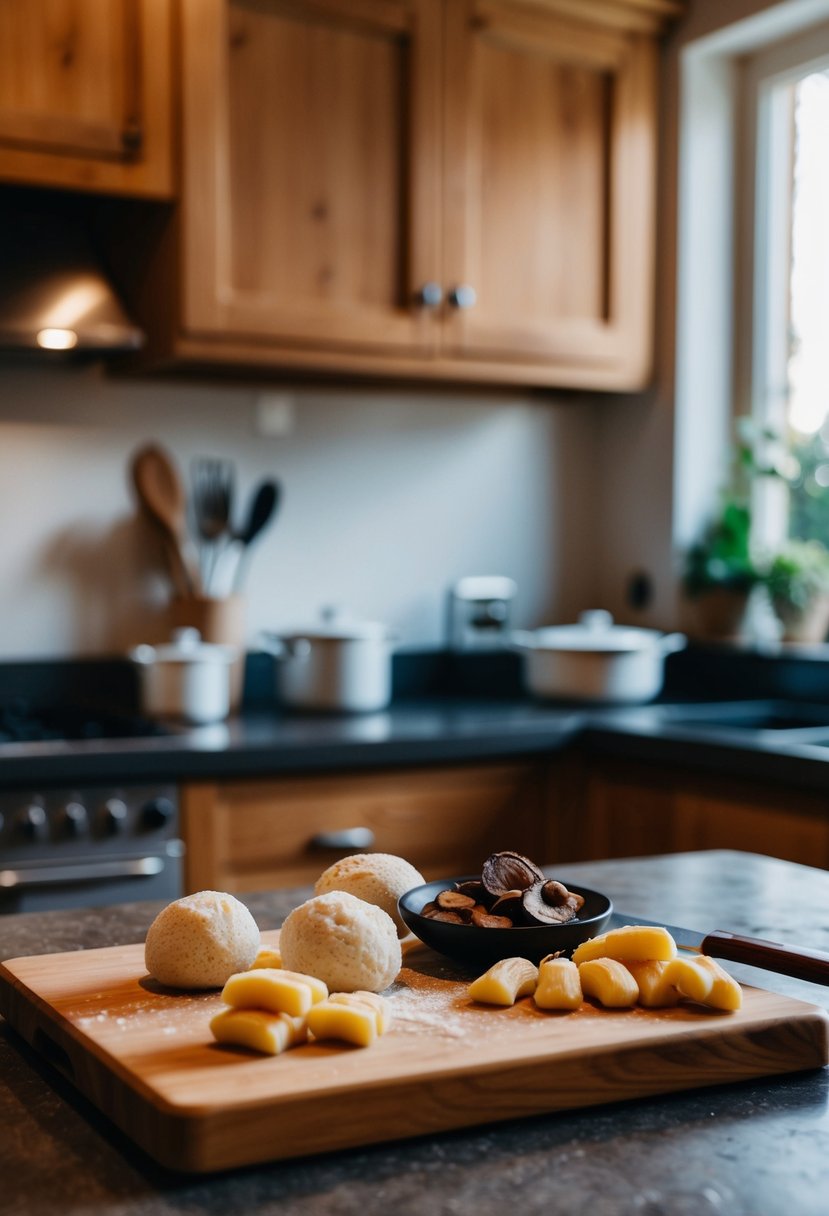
x=114, y=816
x=31, y=823
x=74, y=819
x=463, y=296
x=430, y=295
x=157, y=813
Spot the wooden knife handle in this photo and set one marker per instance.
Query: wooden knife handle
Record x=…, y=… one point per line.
x=771, y=956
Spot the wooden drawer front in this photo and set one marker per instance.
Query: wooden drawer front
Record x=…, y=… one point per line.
x=251, y=835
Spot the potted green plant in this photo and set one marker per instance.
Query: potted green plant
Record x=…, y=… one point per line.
x=721, y=569
x=720, y=573
x=798, y=585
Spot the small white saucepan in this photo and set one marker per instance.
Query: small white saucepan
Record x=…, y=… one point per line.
x=596, y=660
x=186, y=678
x=341, y=666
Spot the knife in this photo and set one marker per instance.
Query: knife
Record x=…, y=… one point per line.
x=797, y=961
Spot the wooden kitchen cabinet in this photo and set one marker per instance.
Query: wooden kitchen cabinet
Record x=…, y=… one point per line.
x=617, y=808
x=85, y=95
x=453, y=189
x=250, y=835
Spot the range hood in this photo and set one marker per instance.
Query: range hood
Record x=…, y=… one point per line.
x=55, y=294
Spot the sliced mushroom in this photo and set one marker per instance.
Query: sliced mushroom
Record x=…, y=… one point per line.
x=508, y=871
x=485, y=920
x=538, y=912
x=454, y=901
x=508, y=905
x=556, y=894
x=475, y=888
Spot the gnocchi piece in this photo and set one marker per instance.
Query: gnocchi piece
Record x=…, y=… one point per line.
x=366, y=1000
x=267, y=957
x=634, y=943
x=559, y=985
x=344, y=1016
x=725, y=993
x=258, y=1029
x=655, y=989
x=278, y=991
x=505, y=982
x=610, y=982
x=690, y=977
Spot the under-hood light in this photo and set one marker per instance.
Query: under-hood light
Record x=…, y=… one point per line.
x=56, y=339
x=54, y=291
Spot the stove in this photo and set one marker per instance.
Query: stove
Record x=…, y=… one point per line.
x=23, y=722
x=87, y=845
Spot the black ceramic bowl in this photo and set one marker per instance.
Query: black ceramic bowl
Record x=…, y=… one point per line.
x=482, y=947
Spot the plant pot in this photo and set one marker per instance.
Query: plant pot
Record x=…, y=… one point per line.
x=809, y=624
x=720, y=613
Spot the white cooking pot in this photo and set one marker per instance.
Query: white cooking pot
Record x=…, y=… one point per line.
x=186, y=678
x=596, y=660
x=342, y=666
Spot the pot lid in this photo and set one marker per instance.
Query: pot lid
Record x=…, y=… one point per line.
x=596, y=631
x=336, y=626
x=185, y=646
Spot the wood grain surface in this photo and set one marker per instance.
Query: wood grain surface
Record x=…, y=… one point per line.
x=145, y=1057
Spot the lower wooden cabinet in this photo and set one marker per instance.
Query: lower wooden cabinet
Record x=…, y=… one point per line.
x=615, y=808
x=250, y=835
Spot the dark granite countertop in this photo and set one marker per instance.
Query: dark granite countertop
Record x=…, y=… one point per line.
x=264, y=742
x=751, y=1149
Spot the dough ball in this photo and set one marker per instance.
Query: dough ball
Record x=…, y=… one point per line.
x=342, y=940
x=200, y=941
x=378, y=878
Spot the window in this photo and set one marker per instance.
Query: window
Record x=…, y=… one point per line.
x=785, y=277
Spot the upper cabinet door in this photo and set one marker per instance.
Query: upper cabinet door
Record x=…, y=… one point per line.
x=549, y=228
x=85, y=96
x=311, y=173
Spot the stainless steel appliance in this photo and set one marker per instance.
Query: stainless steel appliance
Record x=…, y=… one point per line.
x=88, y=846
x=480, y=610
x=84, y=845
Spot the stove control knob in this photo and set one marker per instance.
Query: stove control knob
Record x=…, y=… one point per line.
x=74, y=819
x=31, y=823
x=157, y=813
x=114, y=816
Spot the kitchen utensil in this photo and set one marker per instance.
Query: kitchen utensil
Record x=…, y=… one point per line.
x=476, y=947
x=212, y=495
x=342, y=666
x=596, y=660
x=802, y=963
x=263, y=507
x=146, y=1058
x=187, y=678
x=162, y=496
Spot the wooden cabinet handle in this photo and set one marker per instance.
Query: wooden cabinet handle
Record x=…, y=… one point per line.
x=344, y=841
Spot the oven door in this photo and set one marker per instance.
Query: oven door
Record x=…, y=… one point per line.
x=93, y=882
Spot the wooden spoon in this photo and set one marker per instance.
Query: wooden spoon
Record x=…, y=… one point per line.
x=162, y=496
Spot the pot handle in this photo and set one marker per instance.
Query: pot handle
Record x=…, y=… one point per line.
x=672, y=642
x=521, y=640
x=296, y=648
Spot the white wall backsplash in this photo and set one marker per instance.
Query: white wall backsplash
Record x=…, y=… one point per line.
x=389, y=497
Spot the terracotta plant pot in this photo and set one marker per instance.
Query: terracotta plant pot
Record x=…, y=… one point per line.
x=720, y=613
x=809, y=624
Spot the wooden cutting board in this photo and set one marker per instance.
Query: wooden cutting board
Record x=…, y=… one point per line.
x=145, y=1057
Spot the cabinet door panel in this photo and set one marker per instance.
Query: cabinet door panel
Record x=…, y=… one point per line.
x=246, y=835
x=549, y=160
x=299, y=170
x=85, y=94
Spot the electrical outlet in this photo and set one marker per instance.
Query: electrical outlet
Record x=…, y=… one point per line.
x=274, y=415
